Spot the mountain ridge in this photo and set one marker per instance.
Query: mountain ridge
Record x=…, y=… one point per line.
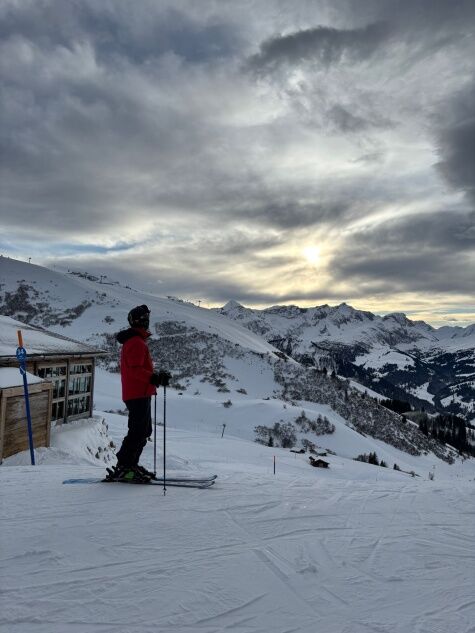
x=434, y=367
x=346, y=312
x=209, y=354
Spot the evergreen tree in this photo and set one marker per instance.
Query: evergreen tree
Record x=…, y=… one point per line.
x=373, y=459
x=423, y=426
x=461, y=435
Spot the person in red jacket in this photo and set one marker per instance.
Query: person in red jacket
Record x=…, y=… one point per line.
x=139, y=384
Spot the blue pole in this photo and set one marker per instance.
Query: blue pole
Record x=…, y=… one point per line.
x=21, y=357
x=164, y=440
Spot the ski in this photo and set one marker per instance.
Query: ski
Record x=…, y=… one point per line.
x=153, y=482
x=201, y=479
x=192, y=478
x=196, y=480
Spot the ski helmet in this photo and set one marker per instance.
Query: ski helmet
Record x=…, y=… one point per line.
x=139, y=317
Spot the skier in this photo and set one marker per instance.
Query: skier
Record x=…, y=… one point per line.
x=139, y=383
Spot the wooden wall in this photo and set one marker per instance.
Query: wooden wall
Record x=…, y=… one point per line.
x=13, y=422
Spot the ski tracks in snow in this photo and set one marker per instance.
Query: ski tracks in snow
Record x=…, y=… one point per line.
x=254, y=555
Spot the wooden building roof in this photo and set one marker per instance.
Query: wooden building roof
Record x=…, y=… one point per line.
x=39, y=342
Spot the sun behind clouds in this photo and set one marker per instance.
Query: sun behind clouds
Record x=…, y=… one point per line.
x=312, y=254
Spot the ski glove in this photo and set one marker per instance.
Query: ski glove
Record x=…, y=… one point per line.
x=162, y=379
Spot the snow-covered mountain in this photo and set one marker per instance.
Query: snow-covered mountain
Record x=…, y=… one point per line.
x=398, y=357
x=211, y=356
x=76, y=304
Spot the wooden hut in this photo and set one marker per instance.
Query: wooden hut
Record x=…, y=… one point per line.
x=13, y=421
x=61, y=382
x=318, y=463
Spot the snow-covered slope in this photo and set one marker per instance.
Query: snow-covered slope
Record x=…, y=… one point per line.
x=353, y=548
x=82, y=307
x=398, y=357
x=208, y=354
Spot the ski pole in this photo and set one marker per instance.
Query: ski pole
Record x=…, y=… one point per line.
x=21, y=356
x=164, y=440
x=155, y=436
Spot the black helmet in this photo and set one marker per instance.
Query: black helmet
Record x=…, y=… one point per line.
x=139, y=317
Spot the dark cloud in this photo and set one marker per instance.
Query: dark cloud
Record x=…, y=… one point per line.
x=245, y=296
x=216, y=286
x=347, y=122
x=456, y=137
x=117, y=30
x=134, y=127
x=448, y=231
x=292, y=214
x=404, y=271
x=427, y=21
x=436, y=16
x=322, y=44
x=432, y=252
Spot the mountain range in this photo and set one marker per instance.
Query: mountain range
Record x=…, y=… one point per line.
x=399, y=358
x=265, y=361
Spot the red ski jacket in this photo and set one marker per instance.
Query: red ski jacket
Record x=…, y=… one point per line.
x=136, y=365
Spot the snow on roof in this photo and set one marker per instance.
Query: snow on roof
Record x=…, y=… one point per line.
x=11, y=377
x=37, y=341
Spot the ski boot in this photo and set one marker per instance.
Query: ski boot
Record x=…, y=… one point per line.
x=127, y=475
x=145, y=472
x=113, y=473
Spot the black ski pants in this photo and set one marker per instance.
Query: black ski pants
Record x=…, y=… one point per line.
x=140, y=428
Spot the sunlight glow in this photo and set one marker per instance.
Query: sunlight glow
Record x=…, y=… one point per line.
x=312, y=254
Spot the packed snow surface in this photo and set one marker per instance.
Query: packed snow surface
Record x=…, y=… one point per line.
x=351, y=549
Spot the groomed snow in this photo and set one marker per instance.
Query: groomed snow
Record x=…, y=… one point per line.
x=354, y=549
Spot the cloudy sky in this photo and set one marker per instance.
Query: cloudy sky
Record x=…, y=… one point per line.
x=271, y=152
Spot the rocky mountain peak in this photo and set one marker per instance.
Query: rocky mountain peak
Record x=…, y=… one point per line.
x=398, y=317
x=232, y=305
